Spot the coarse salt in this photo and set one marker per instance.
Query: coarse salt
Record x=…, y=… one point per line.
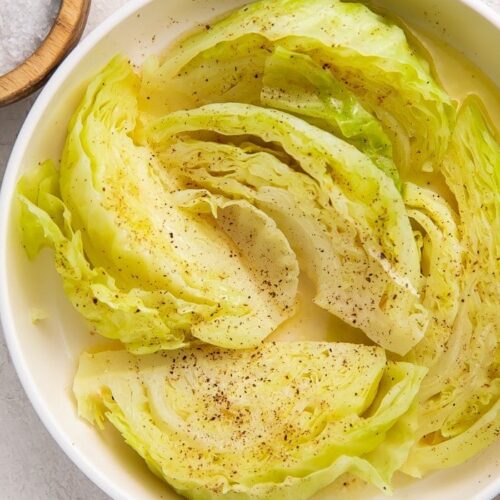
x=23, y=26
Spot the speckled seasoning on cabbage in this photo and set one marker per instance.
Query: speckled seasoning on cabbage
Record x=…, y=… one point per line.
x=195, y=198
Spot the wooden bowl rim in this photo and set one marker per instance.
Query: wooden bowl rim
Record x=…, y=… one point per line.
x=32, y=73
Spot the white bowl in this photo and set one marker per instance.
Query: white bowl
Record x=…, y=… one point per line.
x=46, y=355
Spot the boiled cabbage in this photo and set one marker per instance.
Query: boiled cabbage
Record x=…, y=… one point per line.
x=159, y=273
x=369, y=54
x=280, y=421
x=293, y=162
x=442, y=262
x=460, y=409
x=350, y=282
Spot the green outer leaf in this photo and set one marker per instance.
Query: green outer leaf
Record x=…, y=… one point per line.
x=295, y=83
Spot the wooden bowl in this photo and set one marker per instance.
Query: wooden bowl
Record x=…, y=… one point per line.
x=34, y=71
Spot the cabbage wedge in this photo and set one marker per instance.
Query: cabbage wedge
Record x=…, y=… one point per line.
x=460, y=411
x=379, y=287
x=280, y=421
x=194, y=274
x=369, y=54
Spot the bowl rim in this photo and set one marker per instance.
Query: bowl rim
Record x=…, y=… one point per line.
x=7, y=189
x=93, y=473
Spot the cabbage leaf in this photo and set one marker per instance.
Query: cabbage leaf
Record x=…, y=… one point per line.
x=295, y=83
x=370, y=55
x=362, y=197
x=143, y=320
x=190, y=274
x=280, y=421
x=442, y=257
x=349, y=282
x=460, y=411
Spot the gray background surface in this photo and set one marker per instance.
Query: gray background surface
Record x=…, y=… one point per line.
x=32, y=467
